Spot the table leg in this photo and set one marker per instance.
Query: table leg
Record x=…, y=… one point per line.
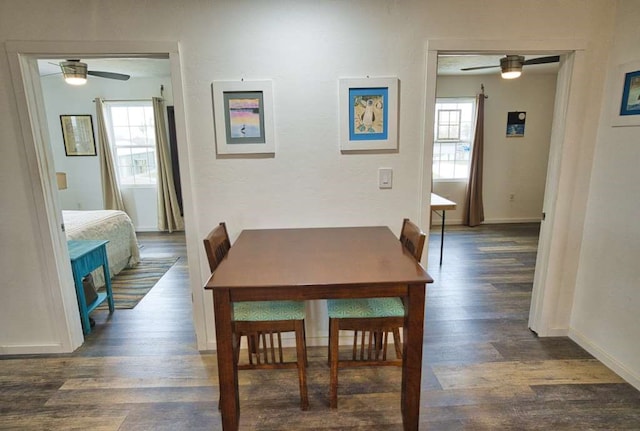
x=442, y=235
x=107, y=279
x=227, y=370
x=82, y=304
x=412, y=357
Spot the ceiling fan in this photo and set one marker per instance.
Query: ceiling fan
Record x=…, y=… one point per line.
x=75, y=72
x=511, y=65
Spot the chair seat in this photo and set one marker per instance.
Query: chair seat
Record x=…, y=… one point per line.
x=264, y=311
x=365, y=307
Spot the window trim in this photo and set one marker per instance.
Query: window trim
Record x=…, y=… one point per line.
x=448, y=124
x=115, y=147
x=443, y=100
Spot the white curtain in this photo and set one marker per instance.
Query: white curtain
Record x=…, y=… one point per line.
x=110, y=190
x=169, y=217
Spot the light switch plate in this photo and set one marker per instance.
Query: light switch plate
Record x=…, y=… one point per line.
x=385, y=178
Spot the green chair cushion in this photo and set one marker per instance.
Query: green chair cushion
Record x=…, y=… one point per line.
x=268, y=310
x=365, y=307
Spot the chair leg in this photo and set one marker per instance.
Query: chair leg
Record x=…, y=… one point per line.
x=396, y=342
x=379, y=340
x=329, y=345
x=236, y=347
x=251, y=347
x=334, y=329
x=301, y=356
x=354, y=348
x=304, y=335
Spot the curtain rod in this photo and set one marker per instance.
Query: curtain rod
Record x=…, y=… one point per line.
x=482, y=91
x=129, y=100
x=137, y=100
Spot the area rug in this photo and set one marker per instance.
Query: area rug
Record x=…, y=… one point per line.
x=132, y=284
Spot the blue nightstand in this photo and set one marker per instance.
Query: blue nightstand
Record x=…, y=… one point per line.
x=86, y=256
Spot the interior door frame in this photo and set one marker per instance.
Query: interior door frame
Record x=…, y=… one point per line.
x=23, y=56
x=552, y=296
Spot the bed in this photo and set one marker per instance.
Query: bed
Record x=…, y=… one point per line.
x=115, y=226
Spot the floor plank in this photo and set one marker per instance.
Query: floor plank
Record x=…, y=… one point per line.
x=483, y=369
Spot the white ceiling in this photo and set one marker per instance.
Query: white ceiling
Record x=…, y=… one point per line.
x=159, y=67
x=451, y=64
x=136, y=67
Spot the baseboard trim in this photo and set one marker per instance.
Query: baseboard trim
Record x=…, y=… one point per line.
x=552, y=332
x=453, y=222
x=608, y=360
x=512, y=220
x=31, y=349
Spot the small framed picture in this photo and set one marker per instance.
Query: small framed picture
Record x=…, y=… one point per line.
x=626, y=109
x=369, y=114
x=515, y=124
x=243, y=116
x=77, y=132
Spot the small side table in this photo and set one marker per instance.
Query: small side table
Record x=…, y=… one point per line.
x=87, y=256
x=438, y=203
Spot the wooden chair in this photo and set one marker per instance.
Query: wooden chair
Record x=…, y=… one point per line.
x=372, y=320
x=262, y=322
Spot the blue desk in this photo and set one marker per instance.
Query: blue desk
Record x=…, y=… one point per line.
x=87, y=256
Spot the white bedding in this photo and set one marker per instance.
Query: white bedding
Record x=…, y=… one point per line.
x=115, y=226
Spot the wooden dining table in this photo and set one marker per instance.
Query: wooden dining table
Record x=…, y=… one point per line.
x=319, y=263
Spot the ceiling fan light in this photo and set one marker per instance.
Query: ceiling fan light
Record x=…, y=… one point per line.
x=75, y=72
x=512, y=74
x=75, y=80
x=511, y=66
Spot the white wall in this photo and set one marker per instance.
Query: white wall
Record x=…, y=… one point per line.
x=304, y=47
x=83, y=172
x=606, y=311
x=515, y=166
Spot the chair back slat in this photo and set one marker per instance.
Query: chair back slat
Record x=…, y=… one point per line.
x=412, y=238
x=217, y=245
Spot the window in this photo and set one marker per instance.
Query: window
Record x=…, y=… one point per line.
x=453, y=138
x=134, y=142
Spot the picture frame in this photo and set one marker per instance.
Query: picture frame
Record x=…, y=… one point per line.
x=243, y=117
x=515, y=124
x=77, y=134
x=368, y=114
x=626, y=108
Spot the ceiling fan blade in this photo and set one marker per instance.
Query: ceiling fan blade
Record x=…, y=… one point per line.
x=109, y=75
x=479, y=67
x=543, y=60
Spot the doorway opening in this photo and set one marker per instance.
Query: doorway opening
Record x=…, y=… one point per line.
x=129, y=122
x=515, y=165
x=37, y=133
x=546, y=287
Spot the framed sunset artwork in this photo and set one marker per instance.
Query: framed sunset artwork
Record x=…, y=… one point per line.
x=243, y=117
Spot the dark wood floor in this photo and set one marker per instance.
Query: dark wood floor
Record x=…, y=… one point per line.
x=482, y=369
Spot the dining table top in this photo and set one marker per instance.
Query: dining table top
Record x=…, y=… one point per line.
x=315, y=257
